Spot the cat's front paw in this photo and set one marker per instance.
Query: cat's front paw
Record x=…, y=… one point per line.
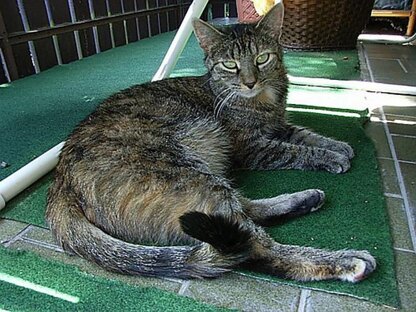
x=336, y=163
x=344, y=149
x=356, y=265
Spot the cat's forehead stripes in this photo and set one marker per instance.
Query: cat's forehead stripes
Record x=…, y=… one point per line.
x=242, y=41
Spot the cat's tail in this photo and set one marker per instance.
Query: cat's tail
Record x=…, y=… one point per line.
x=226, y=244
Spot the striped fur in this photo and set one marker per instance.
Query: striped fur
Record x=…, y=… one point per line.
x=141, y=185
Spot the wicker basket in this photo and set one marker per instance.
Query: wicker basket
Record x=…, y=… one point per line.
x=246, y=12
x=317, y=24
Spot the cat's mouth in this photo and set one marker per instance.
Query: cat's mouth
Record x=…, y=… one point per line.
x=263, y=94
x=249, y=93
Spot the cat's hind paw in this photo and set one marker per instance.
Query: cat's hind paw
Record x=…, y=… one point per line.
x=317, y=201
x=358, y=266
x=307, y=201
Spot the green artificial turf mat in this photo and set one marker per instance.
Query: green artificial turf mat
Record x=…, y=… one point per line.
x=340, y=65
x=77, y=290
x=41, y=111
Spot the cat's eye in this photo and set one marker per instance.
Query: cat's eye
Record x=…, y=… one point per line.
x=229, y=64
x=262, y=58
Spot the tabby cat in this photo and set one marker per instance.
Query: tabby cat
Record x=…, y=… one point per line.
x=141, y=184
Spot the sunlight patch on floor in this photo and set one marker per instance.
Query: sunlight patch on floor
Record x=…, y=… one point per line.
x=327, y=97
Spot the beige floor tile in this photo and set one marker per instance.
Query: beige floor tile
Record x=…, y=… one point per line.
x=245, y=294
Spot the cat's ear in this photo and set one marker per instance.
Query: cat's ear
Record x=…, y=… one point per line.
x=272, y=22
x=206, y=34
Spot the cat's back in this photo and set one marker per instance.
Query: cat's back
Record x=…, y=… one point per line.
x=177, y=96
x=149, y=125
x=144, y=111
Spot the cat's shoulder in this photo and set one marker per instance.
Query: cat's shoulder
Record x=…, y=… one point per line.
x=174, y=84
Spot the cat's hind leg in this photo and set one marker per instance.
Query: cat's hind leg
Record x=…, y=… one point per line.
x=306, y=263
x=269, y=211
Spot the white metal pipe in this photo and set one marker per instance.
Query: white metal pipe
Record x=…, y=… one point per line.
x=24, y=177
x=386, y=39
x=180, y=40
x=354, y=85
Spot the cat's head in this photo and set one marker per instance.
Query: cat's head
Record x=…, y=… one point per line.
x=245, y=59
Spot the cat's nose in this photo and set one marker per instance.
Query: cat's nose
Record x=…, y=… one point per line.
x=250, y=84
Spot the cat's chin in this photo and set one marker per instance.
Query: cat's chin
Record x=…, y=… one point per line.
x=249, y=94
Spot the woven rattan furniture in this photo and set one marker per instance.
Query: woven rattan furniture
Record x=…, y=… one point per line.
x=246, y=12
x=318, y=24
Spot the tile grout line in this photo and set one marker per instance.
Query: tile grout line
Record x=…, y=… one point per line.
x=401, y=116
x=173, y=280
x=404, y=250
x=18, y=236
x=384, y=158
x=42, y=244
x=184, y=287
x=402, y=66
x=391, y=195
x=403, y=135
x=402, y=186
x=400, y=179
x=303, y=300
x=367, y=61
x=364, y=73
x=407, y=162
x=400, y=161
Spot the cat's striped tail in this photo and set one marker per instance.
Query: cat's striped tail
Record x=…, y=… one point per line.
x=225, y=245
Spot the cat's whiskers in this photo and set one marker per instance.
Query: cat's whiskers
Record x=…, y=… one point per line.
x=218, y=108
x=220, y=98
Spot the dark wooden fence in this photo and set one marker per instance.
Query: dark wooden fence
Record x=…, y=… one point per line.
x=222, y=8
x=38, y=34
